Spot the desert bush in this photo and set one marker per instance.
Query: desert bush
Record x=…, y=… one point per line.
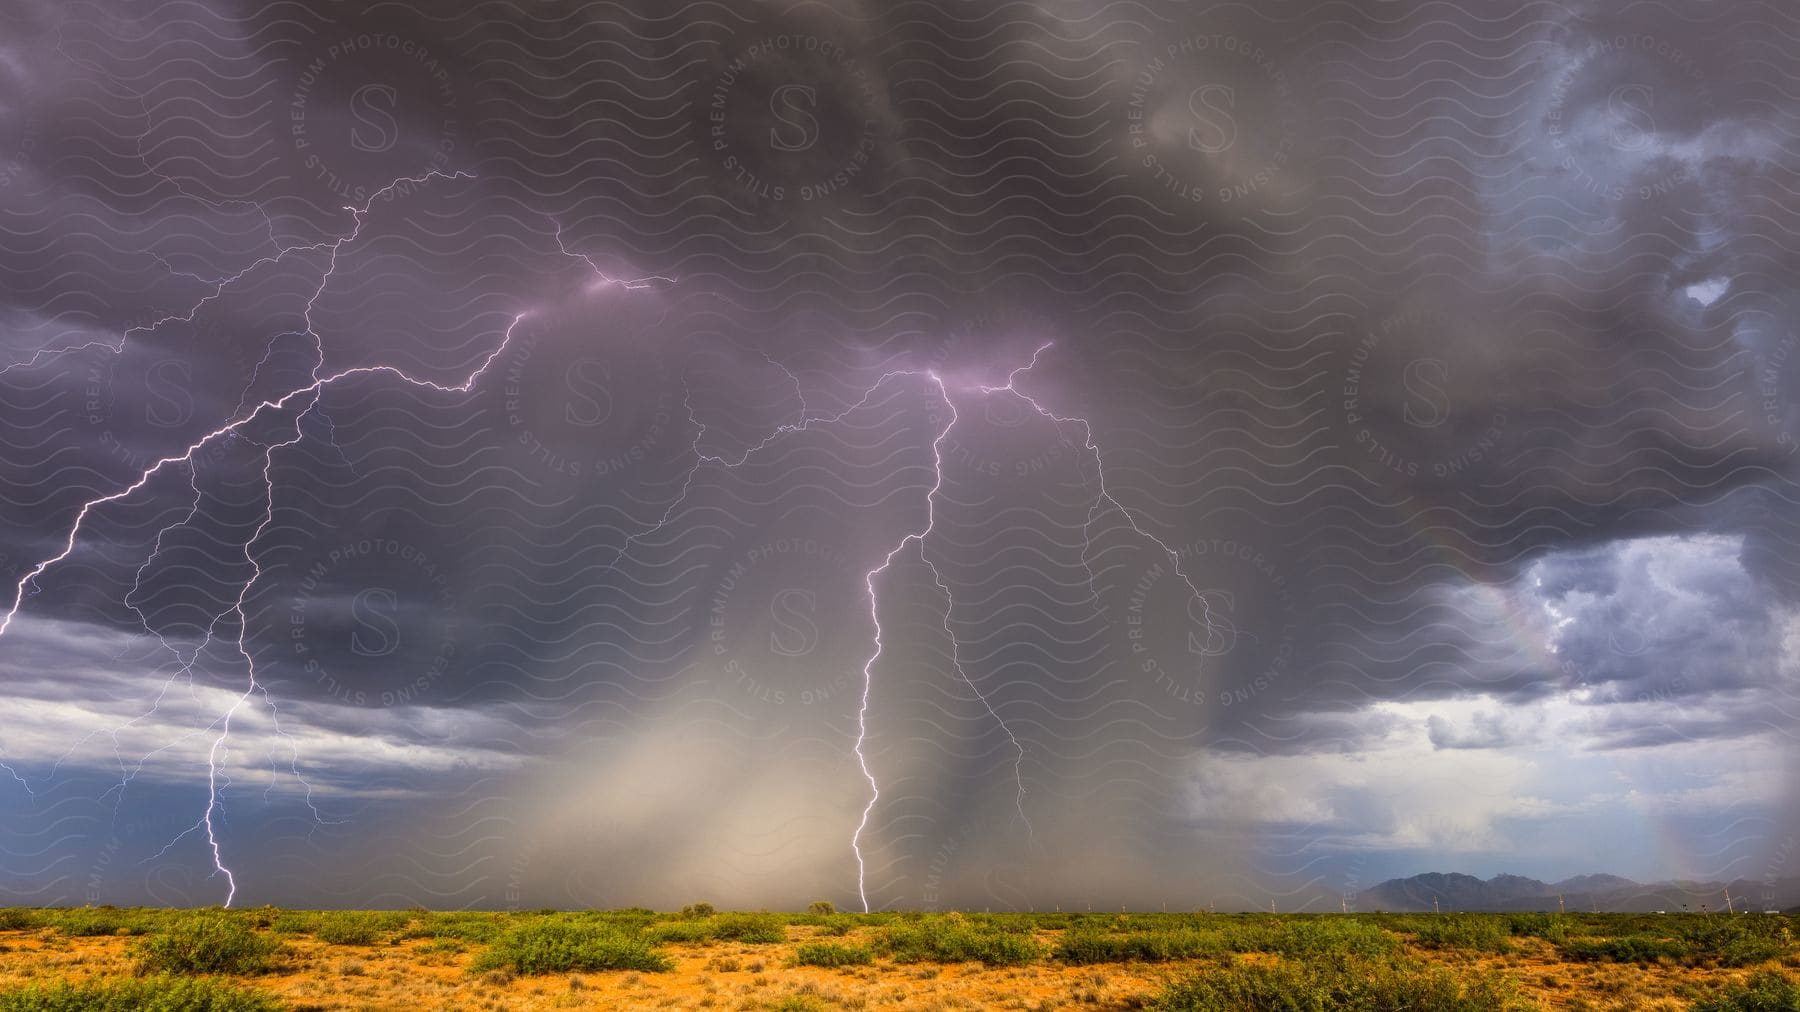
x=1313, y=936
x=1749, y=951
x=1085, y=945
x=18, y=919
x=145, y=994
x=356, y=927
x=749, y=928
x=952, y=939
x=89, y=922
x=1742, y=940
x=1480, y=932
x=1768, y=991
x=211, y=942
x=1335, y=986
x=698, y=910
x=830, y=954
x=823, y=908
x=466, y=926
x=837, y=924
x=295, y=922
x=1623, y=949
x=563, y=946
x=1550, y=927
x=1012, y=924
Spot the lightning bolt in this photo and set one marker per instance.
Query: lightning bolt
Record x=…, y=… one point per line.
x=804, y=422
x=1103, y=500
x=862, y=711
x=304, y=401
x=1105, y=497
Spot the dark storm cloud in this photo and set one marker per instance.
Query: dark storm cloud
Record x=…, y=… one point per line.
x=1380, y=318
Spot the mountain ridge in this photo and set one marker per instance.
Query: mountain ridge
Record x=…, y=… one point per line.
x=1457, y=891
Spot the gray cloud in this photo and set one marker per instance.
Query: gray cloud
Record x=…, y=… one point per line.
x=1379, y=321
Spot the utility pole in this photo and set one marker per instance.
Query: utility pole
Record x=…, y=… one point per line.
x=1729, y=908
x=1434, y=906
x=1344, y=904
x=1560, y=908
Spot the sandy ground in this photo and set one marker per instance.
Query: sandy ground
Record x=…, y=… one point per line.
x=421, y=974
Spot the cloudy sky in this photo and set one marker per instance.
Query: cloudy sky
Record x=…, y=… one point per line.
x=907, y=454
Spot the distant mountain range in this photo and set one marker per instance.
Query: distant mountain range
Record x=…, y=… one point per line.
x=1453, y=891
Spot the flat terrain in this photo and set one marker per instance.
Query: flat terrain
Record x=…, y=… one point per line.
x=93, y=958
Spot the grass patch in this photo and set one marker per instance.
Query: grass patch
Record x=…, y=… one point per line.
x=1463, y=931
x=1768, y=991
x=295, y=922
x=1735, y=940
x=951, y=938
x=761, y=928
x=832, y=954
x=351, y=927
x=1085, y=945
x=91, y=922
x=1550, y=927
x=837, y=925
x=144, y=994
x=464, y=927
x=563, y=946
x=1640, y=949
x=1335, y=986
x=1307, y=937
x=205, y=943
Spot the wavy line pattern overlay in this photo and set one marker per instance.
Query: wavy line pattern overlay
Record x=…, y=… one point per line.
x=910, y=454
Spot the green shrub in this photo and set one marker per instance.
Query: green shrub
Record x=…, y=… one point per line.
x=1550, y=927
x=1742, y=940
x=1334, y=986
x=1317, y=936
x=1624, y=949
x=1085, y=945
x=829, y=954
x=822, y=908
x=207, y=943
x=1749, y=951
x=467, y=927
x=295, y=922
x=86, y=922
x=1768, y=991
x=837, y=924
x=749, y=928
x=145, y=994
x=562, y=946
x=357, y=927
x=952, y=939
x=698, y=910
x=18, y=919
x=1463, y=931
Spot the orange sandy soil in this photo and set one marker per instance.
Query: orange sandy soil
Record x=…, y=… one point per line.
x=421, y=974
